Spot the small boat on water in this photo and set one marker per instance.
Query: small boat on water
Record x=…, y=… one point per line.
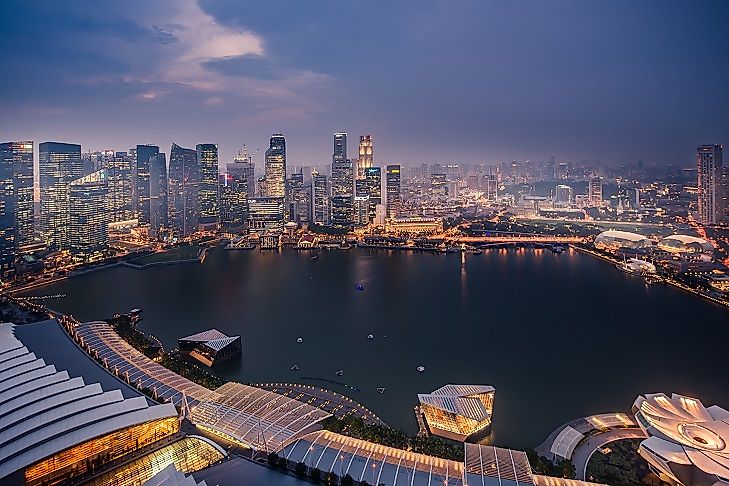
x=315, y=257
x=300, y=340
x=340, y=372
x=420, y=369
x=370, y=337
x=359, y=287
x=294, y=368
x=381, y=389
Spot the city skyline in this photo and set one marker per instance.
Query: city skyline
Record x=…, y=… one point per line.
x=251, y=72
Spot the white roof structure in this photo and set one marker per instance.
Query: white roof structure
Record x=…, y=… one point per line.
x=211, y=338
x=117, y=354
x=43, y=411
x=460, y=399
x=685, y=243
x=374, y=463
x=565, y=443
x=260, y=419
x=170, y=476
x=686, y=442
x=494, y=466
x=622, y=235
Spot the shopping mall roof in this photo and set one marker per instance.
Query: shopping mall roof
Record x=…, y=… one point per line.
x=258, y=418
x=622, y=235
x=44, y=411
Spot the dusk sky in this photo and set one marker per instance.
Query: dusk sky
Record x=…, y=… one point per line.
x=433, y=81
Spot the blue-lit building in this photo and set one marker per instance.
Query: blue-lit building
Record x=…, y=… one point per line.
x=59, y=164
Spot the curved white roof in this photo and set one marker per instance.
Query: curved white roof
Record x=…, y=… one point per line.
x=43, y=411
x=686, y=239
x=460, y=399
x=622, y=235
x=682, y=432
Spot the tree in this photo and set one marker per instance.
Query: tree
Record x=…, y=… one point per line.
x=282, y=463
x=272, y=459
x=315, y=474
x=347, y=481
x=567, y=469
x=300, y=469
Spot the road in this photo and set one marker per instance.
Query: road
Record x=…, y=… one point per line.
x=583, y=452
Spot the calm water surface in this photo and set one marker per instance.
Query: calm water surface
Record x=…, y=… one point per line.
x=559, y=336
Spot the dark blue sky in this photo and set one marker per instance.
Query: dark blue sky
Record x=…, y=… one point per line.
x=433, y=81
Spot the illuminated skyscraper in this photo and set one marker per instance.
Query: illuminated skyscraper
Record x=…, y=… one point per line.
x=158, y=191
x=59, y=164
x=119, y=181
x=276, y=167
x=365, y=160
x=438, y=184
x=594, y=191
x=233, y=202
x=183, y=181
x=709, y=172
x=88, y=216
x=373, y=176
x=243, y=168
x=320, y=206
x=209, y=199
x=20, y=156
x=562, y=196
x=342, y=193
x=392, y=186
x=361, y=206
x=340, y=147
x=141, y=182
x=492, y=187
x=8, y=205
x=298, y=199
x=266, y=214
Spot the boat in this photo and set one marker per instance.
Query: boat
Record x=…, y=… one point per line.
x=557, y=249
x=420, y=369
x=359, y=287
x=340, y=372
x=294, y=368
x=315, y=257
x=370, y=337
x=300, y=340
x=381, y=389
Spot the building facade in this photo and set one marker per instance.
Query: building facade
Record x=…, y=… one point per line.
x=141, y=181
x=320, y=202
x=119, y=180
x=276, y=166
x=88, y=216
x=709, y=171
x=158, y=191
x=366, y=155
x=373, y=176
x=183, y=182
x=58, y=164
x=19, y=156
x=208, y=197
x=265, y=214
x=392, y=186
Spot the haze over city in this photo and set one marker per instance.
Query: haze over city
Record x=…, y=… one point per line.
x=467, y=81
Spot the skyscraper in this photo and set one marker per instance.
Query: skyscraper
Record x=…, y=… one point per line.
x=709, y=171
x=438, y=184
x=342, y=187
x=340, y=147
x=183, y=181
x=20, y=155
x=492, y=187
x=88, y=216
x=209, y=199
x=361, y=207
x=233, y=202
x=8, y=204
x=276, y=166
x=119, y=182
x=562, y=196
x=373, y=176
x=320, y=206
x=243, y=168
x=141, y=181
x=594, y=191
x=392, y=186
x=298, y=199
x=158, y=191
x=366, y=158
x=266, y=214
x=59, y=164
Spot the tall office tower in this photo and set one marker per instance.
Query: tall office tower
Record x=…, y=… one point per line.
x=141, y=182
x=8, y=210
x=439, y=185
x=342, y=194
x=723, y=192
x=244, y=168
x=340, y=147
x=182, y=199
x=298, y=199
x=392, y=190
x=320, y=202
x=266, y=214
x=158, y=191
x=119, y=182
x=19, y=158
x=551, y=168
x=58, y=165
x=361, y=207
x=594, y=191
x=209, y=199
x=373, y=176
x=88, y=216
x=365, y=160
x=276, y=167
x=492, y=187
x=562, y=196
x=708, y=170
x=342, y=211
x=233, y=202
